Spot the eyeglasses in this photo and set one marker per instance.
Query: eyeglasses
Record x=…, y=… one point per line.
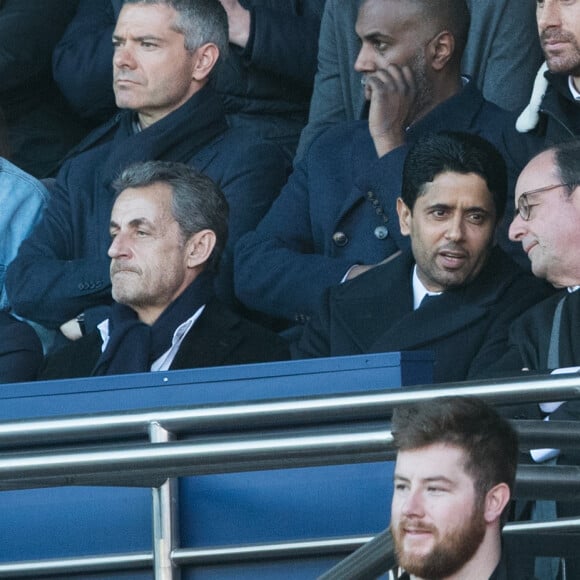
x=525, y=207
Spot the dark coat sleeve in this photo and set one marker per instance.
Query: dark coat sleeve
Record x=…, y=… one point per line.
x=284, y=38
x=82, y=60
x=46, y=283
x=75, y=360
x=20, y=350
x=285, y=265
x=525, y=292
x=277, y=270
x=29, y=30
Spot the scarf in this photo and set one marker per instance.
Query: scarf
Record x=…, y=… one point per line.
x=134, y=346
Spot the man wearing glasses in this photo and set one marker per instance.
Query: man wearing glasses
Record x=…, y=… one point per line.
x=547, y=337
x=547, y=223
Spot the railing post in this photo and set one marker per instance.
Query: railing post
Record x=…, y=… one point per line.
x=165, y=517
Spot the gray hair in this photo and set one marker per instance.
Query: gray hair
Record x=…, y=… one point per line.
x=197, y=203
x=200, y=22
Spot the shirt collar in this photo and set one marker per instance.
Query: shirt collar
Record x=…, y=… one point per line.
x=419, y=290
x=573, y=90
x=165, y=360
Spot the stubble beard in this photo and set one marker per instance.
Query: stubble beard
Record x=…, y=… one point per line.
x=424, y=96
x=566, y=63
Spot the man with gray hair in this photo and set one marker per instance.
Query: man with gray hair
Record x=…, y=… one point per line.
x=168, y=229
x=547, y=336
x=165, y=52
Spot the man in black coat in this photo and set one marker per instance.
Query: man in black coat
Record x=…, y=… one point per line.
x=265, y=82
x=547, y=336
x=547, y=224
x=456, y=293
x=554, y=109
x=164, y=56
x=168, y=228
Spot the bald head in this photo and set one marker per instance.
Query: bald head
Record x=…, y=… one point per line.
x=439, y=15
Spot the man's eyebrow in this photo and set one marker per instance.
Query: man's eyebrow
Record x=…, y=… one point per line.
x=431, y=479
x=134, y=223
x=436, y=478
x=142, y=38
x=447, y=206
x=376, y=36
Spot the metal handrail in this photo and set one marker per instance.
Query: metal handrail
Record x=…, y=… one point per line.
x=290, y=412
x=319, y=430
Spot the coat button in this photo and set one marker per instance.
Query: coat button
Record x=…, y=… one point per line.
x=340, y=239
x=381, y=232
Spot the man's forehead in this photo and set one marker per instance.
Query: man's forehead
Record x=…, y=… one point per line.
x=152, y=202
x=436, y=461
x=469, y=189
x=141, y=17
x=376, y=17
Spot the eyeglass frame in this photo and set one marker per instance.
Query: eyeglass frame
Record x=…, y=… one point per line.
x=524, y=208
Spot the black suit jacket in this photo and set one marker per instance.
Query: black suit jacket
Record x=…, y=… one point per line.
x=218, y=337
x=529, y=342
x=20, y=350
x=466, y=327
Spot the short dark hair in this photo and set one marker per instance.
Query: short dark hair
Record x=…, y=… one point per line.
x=488, y=440
x=200, y=22
x=436, y=153
x=197, y=203
x=567, y=158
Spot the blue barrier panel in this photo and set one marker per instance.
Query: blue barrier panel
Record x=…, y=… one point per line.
x=216, y=510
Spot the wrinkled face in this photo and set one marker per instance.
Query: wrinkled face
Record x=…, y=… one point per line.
x=451, y=227
x=152, y=70
x=149, y=266
x=559, y=30
x=393, y=32
x=437, y=520
x=551, y=236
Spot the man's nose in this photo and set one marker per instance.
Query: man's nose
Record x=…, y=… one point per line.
x=517, y=229
x=413, y=504
x=455, y=229
x=364, y=61
x=548, y=14
x=118, y=247
x=123, y=57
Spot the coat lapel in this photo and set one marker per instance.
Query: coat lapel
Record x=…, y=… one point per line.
x=383, y=294
x=210, y=341
x=444, y=316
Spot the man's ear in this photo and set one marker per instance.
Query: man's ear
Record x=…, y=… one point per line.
x=441, y=50
x=199, y=248
x=405, y=217
x=495, y=501
x=206, y=57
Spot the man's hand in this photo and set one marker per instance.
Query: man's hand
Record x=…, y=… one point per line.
x=71, y=329
x=392, y=97
x=361, y=269
x=238, y=22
